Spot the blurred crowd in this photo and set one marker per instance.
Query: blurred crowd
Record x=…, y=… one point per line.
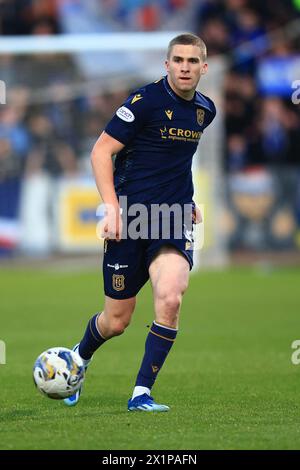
x=49, y=126
x=262, y=122
x=39, y=16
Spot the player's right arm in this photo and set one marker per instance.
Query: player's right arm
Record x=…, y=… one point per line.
x=119, y=132
x=102, y=153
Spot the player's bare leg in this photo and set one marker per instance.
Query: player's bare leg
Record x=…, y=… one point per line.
x=169, y=274
x=116, y=316
x=101, y=327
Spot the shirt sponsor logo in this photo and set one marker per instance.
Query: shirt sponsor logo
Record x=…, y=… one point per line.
x=175, y=133
x=163, y=132
x=187, y=133
x=125, y=114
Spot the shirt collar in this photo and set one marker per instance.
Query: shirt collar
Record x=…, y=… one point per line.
x=174, y=95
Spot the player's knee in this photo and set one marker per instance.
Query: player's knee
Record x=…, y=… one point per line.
x=170, y=302
x=118, y=326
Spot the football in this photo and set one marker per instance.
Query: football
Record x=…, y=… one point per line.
x=58, y=373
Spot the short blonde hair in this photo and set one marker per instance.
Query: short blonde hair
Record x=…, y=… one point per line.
x=188, y=39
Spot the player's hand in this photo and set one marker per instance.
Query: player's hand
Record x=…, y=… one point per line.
x=197, y=216
x=112, y=224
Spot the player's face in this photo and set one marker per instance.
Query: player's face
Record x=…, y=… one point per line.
x=185, y=68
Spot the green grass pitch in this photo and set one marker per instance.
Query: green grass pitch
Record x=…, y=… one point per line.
x=229, y=379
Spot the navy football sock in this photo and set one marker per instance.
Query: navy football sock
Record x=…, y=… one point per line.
x=92, y=339
x=158, y=344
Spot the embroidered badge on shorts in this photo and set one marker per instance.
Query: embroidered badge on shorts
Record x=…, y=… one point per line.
x=118, y=282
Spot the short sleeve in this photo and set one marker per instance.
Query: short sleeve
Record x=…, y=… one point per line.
x=210, y=116
x=129, y=118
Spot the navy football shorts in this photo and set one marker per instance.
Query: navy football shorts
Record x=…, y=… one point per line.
x=126, y=263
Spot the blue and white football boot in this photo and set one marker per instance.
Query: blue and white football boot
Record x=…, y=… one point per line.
x=73, y=399
x=145, y=403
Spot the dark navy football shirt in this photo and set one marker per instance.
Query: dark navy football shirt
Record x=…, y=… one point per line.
x=160, y=131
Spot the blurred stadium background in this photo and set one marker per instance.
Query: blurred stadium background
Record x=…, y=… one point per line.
x=62, y=89
x=65, y=67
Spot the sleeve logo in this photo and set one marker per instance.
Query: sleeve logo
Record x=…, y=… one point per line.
x=125, y=114
x=136, y=98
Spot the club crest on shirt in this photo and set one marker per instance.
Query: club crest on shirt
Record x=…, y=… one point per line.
x=200, y=116
x=118, y=282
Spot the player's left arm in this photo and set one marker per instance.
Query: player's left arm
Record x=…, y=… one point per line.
x=209, y=117
x=102, y=153
x=130, y=118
